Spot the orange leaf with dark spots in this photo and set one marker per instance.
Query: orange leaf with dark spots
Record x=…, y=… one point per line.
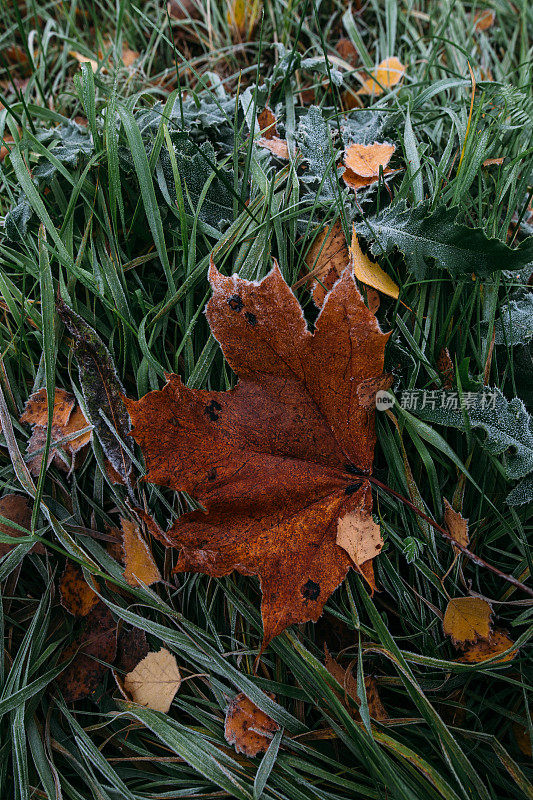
x=76, y=595
x=248, y=728
x=277, y=461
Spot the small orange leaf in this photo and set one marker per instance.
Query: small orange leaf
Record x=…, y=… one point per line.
x=489, y=162
x=248, y=728
x=81, y=59
x=385, y=76
x=267, y=123
x=366, y=159
x=139, y=564
x=370, y=273
x=467, y=619
x=66, y=421
x=129, y=57
x=76, y=594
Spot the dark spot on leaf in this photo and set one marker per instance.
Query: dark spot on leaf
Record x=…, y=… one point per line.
x=211, y=409
x=311, y=590
x=251, y=318
x=211, y=475
x=351, y=489
x=353, y=470
x=174, y=421
x=235, y=303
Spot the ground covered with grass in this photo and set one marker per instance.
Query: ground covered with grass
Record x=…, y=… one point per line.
x=130, y=157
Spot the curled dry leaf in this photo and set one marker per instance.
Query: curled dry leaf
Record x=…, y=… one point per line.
x=92, y=651
x=248, y=728
x=154, y=681
x=490, y=162
x=183, y=9
x=279, y=459
x=102, y=390
x=456, y=524
x=370, y=273
x=347, y=51
x=16, y=508
x=76, y=595
x=467, y=619
x=498, y=642
x=386, y=75
x=347, y=679
x=139, y=564
x=278, y=147
x=67, y=420
x=363, y=163
x=523, y=739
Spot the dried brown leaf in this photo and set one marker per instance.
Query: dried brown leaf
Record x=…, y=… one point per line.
x=456, y=524
x=96, y=643
x=16, y=508
x=277, y=461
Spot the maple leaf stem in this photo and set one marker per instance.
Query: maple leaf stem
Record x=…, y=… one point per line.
x=468, y=553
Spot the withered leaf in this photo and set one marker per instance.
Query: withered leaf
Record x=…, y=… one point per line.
x=76, y=595
x=456, y=524
x=363, y=163
x=369, y=272
x=154, y=681
x=498, y=642
x=132, y=647
x=280, y=458
x=248, y=728
x=347, y=680
x=358, y=534
x=96, y=643
x=327, y=258
x=102, y=389
x=16, y=508
x=467, y=619
x=267, y=123
x=278, y=147
x=385, y=76
x=483, y=20
x=67, y=419
x=139, y=564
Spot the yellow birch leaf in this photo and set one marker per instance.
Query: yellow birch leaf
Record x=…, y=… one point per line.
x=467, y=619
x=154, y=681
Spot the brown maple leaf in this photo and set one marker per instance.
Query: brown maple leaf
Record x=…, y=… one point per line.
x=280, y=459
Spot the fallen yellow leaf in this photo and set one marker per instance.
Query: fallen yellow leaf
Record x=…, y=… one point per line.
x=139, y=564
x=467, y=619
x=278, y=147
x=359, y=535
x=370, y=273
x=154, y=681
x=385, y=76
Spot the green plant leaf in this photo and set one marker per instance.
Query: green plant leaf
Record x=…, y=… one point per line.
x=425, y=236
